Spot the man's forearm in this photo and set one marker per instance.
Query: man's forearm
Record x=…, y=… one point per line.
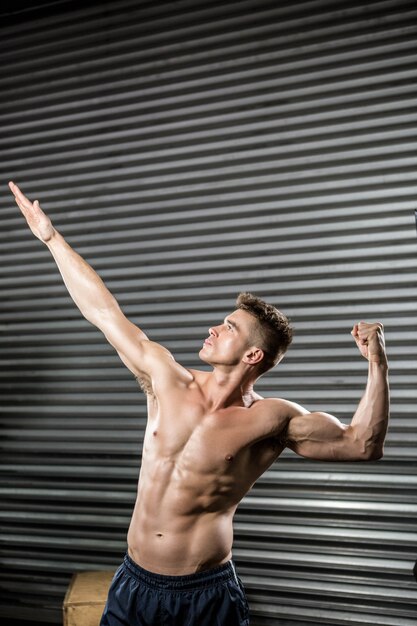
x=84, y=284
x=370, y=422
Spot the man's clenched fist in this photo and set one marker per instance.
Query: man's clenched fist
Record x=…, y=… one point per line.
x=370, y=341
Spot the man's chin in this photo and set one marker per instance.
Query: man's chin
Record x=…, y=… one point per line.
x=203, y=357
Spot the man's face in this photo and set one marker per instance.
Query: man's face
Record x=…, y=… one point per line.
x=228, y=342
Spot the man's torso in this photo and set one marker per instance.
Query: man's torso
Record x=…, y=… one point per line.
x=197, y=465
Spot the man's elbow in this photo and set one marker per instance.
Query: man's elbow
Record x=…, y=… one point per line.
x=367, y=447
x=376, y=454
x=371, y=453
x=366, y=450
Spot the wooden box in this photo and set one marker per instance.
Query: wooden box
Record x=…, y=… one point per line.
x=85, y=598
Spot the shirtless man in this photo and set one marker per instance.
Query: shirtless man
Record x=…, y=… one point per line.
x=209, y=437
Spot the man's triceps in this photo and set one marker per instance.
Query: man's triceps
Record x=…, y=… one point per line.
x=152, y=364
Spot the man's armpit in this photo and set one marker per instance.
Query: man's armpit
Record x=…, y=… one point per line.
x=145, y=384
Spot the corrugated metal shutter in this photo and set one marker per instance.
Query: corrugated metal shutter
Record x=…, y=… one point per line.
x=189, y=150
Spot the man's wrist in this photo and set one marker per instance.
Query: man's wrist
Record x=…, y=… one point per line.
x=379, y=363
x=53, y=238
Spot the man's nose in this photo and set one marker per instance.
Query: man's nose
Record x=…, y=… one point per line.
x=213, y=332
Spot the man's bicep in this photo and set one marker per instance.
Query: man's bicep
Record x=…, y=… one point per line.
x=319, y=436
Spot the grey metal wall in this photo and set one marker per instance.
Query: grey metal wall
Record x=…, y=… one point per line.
x=189, y=150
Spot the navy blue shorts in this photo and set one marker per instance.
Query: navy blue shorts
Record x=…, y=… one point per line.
x=214, y=597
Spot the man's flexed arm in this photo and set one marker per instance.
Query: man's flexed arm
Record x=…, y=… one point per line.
x=90, y=294
x=321, y=436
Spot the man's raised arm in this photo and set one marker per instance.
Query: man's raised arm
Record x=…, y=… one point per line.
x=90, y=294
x=323, y=437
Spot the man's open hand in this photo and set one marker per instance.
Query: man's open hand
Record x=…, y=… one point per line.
x=39, y=223
x=370, y=340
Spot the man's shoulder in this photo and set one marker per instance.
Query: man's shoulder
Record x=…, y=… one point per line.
x=280, y=406
x=169, y=375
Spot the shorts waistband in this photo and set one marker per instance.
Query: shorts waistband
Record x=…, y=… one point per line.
x=215, y=575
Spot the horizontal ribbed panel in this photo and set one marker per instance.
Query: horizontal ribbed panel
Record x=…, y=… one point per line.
x=189, y=151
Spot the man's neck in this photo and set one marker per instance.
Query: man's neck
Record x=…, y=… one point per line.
x=225, y=389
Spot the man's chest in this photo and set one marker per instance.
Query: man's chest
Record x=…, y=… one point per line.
x=195, y=433
x=218, y=443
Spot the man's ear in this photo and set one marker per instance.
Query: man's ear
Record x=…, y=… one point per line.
x=253, y=356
